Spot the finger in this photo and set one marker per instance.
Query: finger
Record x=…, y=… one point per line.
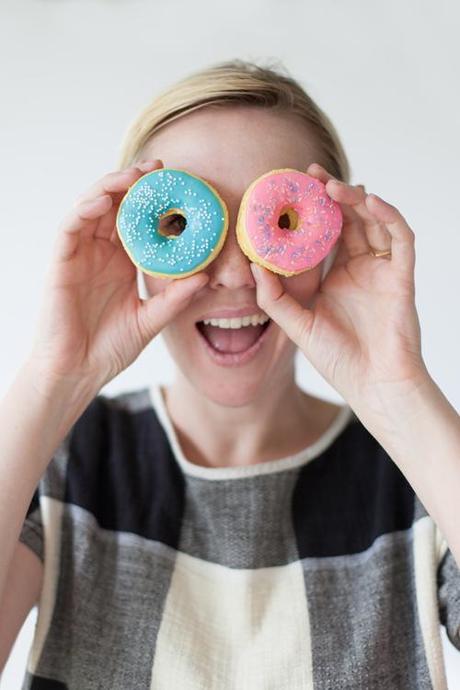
x=354, y=239
x=83, y=216
x=402, y=235
x=157, y=311
x=294, y=319
x=107, y=228
x=117, y=181
x=110, y=184
x=317, y=170
x=371, y=228
x=115, y=238
x=116, y=184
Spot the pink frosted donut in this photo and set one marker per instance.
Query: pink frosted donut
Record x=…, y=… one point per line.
x=287, y=222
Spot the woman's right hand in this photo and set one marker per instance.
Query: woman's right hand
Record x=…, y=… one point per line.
x=92, y=323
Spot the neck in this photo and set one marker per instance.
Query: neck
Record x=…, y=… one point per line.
x=271, y=426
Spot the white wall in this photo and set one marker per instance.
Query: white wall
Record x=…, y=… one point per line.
x=76, y=73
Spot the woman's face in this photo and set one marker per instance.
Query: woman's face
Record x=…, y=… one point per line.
x=230, y=148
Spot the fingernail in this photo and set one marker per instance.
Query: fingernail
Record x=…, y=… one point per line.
x=147, y=165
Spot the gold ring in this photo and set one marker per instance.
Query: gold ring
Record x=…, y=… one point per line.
x=376, y=252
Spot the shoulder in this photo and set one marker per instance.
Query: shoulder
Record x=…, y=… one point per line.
x=119, y=461
x=111, y=427
x=106, y=442
x=125, y=404
x=109, y=420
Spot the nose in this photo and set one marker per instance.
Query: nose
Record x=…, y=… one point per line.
x=231, y=267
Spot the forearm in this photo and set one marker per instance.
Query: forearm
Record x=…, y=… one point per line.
x=420, y=430
x=35, y=417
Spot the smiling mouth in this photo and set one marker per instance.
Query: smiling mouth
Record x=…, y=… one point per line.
x=231, y=341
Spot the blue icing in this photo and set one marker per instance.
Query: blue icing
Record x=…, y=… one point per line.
x=151, y=197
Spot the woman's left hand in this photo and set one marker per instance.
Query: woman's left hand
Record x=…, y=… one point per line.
x=362, y=333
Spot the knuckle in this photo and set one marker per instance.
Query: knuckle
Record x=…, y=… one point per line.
x=86, y=196
x=65, y=222
x=303, y=328
x=147, y=329
x=112, y=175
x=99, y=188
x=131, y=169
x=107, y=179
x=300, y=331
x=79, y=200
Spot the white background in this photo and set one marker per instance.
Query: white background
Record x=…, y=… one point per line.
x=76, y=73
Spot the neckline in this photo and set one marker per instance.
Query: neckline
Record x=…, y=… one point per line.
x=289, y=462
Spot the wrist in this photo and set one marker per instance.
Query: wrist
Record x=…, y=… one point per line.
x=404, y=416
x=70, y=393
x=390, y=404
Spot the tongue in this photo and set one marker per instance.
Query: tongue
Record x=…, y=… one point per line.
x=231, y=339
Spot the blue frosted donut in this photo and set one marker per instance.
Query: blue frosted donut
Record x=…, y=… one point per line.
x=197, y=217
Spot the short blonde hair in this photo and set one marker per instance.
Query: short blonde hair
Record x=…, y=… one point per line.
x=238, y=82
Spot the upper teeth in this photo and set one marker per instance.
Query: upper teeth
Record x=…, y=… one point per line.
x=257, y=319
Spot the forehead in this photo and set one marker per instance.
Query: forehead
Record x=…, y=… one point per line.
x=230, y=147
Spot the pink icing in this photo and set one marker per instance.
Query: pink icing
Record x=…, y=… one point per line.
x=319, y=220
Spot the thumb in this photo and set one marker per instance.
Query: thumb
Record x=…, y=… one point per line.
x=157, y=311
x=294, y=319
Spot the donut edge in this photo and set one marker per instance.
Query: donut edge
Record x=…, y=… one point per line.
x=211, y=256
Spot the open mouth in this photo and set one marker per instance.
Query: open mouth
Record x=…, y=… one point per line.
x=232, y=345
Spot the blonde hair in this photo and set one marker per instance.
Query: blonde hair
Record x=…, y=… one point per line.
x=238, y=82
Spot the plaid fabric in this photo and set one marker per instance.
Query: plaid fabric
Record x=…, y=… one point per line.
x=322, y=570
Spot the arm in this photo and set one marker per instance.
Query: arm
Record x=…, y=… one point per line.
x=363, y=335
x=21, y=593
x=36, y=415
x=79, y=347
x=420, y=431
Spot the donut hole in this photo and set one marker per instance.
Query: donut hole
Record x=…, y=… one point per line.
x=288, y=219
x=172, y=223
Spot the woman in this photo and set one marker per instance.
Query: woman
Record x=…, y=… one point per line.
x=231, y=530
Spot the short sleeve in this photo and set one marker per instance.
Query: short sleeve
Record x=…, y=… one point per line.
x=32, y=529
x=448, y=585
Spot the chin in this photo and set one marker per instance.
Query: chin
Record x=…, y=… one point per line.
x=235, y=385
